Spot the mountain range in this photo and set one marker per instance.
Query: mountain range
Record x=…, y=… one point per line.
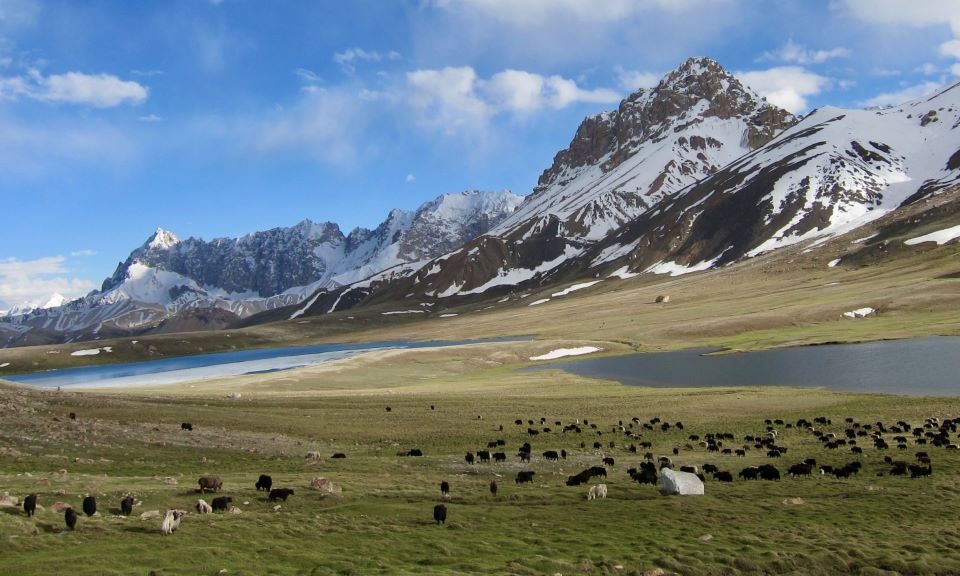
x=696, y=172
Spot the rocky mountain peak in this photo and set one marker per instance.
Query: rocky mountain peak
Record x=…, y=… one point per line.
x=698, y=89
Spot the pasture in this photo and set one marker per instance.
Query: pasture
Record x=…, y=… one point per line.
x=382, y=521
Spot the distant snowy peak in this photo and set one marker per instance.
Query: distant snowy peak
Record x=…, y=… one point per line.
x=54, y=301
x=162, y=240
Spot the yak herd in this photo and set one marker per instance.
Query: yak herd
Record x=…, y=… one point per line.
x=639, y=435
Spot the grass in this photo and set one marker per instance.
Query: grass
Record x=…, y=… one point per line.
x=381, y=523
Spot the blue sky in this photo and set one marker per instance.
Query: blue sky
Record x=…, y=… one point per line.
x=219, y=118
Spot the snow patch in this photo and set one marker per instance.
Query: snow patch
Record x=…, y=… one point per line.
x=833, y=263
x=4, y=365
x=623, y=273
x=539, y=302
x=574, y=288
x=674, y=269
x=859, y=313
x=941, y=237
x=402, y=312
x=562, y=352
x=312, y=301
x=448, y=315
x=92, y=351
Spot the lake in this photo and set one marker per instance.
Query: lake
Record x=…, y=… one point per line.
x=221, y=364
x=915, y=367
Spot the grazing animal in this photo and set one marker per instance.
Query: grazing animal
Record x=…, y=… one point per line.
x=608, y=461
x=690, y=469
x=723, y=476
x=802, y=469
x=469, y=458
x=211, y=483
x=709, y=469
x=73, y=416
x=30, y=505
x=578, y=479
x=415, y=452
x=89, y=505
x=445, y=488
x=524, y=476
x=264, y=483
x=440, y=514
x=597, y=491
x=171, y=521
x=70, y=517
x=493, y=487
x=339, y=455
x=551, y=455
x=768, y=472
x=280, y=493
x=202, y=507
x=221, y=503
x=750, y=473
x=186, y=426
x=126, y=505
x=483, y=455
x=499, y=457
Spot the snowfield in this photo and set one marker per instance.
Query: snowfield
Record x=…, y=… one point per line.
x=574, y=288
x=941, y=237
x=563, y=352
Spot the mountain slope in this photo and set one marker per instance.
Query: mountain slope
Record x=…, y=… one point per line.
x=172, y=282
x=830, y=173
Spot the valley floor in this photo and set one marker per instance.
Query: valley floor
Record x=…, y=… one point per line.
x=447, y=402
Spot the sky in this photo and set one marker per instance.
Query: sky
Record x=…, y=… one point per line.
x=217, y=118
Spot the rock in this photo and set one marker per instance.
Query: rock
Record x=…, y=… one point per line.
x=277, y=508
x=663, y=299
x=325, y=485
x=793, y=501
x=235, y=510
x=655, y=572
x=234, y=395
x=170, y=480
x=706, y=537
x=150, y=514
x=60, y=506
x=8, y=501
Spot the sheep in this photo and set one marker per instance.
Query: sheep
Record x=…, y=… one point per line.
x=221, y=504
x=597, y=491
x=89, y=505
x=126, y=505
x=30, y=505
x=524, y=476
x=202, y=507
x=70, y=517
x=211, y=483
x=440, y=514
x=280, y=493
x=264, y=483
x=171, y=521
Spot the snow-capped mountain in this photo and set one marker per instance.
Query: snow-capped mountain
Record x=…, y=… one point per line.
x=56, y=299
x=169, y=281
x=697, y=172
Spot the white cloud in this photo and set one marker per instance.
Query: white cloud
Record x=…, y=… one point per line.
x=633, y=80
x=532, y=13
x=324, y=123
x=410, y=178
x=793, y=53
x=150, y=118
x=350, y=57
x=901, y=96
x=785, y=86
x=84, y=253
x=146, y=73
x=97, y=90
x=884, y=72
x=918, y=14
x=36, y=280
x=307, y=76
x=929, y=69
x=453, y=98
